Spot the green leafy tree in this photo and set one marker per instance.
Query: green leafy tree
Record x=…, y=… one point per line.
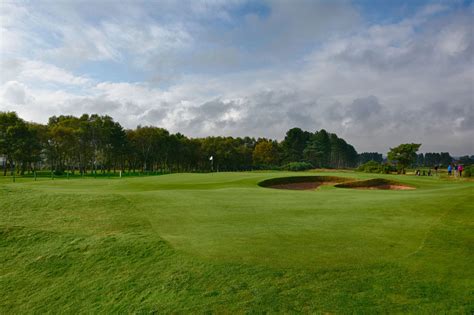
x=265, y=153
x=404, y=155
x=8, y=120
x=294, y=144
x=370, y=156
x=318, y=149
x=19, y=143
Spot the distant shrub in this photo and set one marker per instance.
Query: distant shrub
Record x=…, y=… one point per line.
x=266, y=167
x=376, y=167
x=58, y=172
x=387, y=168
x=468, y=171
x=298, y=166
x=370, y=167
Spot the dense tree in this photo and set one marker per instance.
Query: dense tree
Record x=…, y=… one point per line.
x=445, y=158
x=265, y=153
x=420, y=160
x=343, y=155
x=466, y=160
x=370, y=156
x=19, y=142
x=8, y=121
x=294, y=144
x=403, y=155
x=318, y=149
x=432, y=159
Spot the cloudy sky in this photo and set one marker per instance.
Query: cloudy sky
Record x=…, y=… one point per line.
x=377, y=73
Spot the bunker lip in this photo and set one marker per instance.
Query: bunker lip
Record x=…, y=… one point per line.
x=302, y=182
x=375, y=184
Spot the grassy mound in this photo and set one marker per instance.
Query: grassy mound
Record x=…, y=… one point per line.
x=375, y=183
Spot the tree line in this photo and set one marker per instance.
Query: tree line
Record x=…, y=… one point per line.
x=429, y=159
x=95, y=143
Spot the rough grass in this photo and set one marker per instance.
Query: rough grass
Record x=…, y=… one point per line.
x=220, y=243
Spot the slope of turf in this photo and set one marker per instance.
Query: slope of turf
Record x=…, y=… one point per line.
x=220, y=243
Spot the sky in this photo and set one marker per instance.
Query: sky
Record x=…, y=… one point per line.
x=377, y=73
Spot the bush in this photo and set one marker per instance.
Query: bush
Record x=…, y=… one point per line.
x=387, y=169
x=266, y=167
x=59, y=172
x=376, y=167
x=298, y=166
x=370, y=167
x=468, y=171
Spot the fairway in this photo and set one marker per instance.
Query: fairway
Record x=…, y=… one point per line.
x=218, y=242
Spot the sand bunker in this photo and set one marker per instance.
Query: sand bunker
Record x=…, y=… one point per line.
x=302, y=182
x=375, y=184
x=314, y=182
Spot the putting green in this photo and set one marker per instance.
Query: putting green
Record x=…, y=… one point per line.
x=221, y=243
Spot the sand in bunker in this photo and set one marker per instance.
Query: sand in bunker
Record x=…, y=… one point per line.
x=386, y=187
x=300, y=186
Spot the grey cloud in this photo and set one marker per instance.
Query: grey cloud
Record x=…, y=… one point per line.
x=363, y=109
x=210, y=113
x=467, y=119
x=15, y=93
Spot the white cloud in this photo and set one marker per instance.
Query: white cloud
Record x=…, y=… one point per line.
x=40, y=71
x=375, y=86
x=15, y=93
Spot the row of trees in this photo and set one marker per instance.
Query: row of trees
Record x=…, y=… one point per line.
x=429, y=159
x=98, y=143
x=404, y=156
x=370, y=156
x=441, y=159
x=433, y=159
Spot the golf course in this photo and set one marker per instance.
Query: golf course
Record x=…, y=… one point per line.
x=230, y=242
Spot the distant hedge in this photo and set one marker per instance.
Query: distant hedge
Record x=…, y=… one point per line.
x=298, y=166
x=468, y=171
x=376, y=167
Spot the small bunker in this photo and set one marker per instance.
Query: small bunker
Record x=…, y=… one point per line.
x=302, y=182
x=376, y=183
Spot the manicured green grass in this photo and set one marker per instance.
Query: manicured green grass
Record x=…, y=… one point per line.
x=220, y=243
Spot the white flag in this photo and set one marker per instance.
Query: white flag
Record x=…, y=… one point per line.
x=211, y=158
